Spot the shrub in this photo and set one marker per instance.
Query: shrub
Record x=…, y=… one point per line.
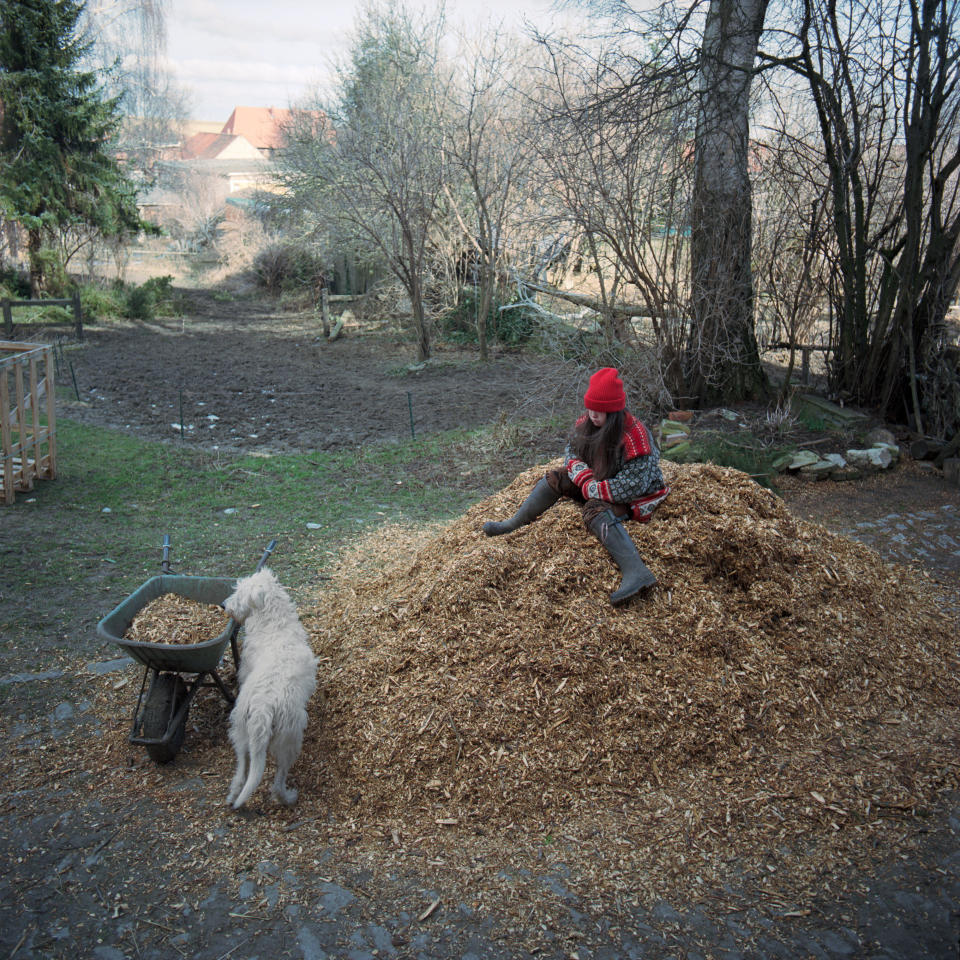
x=140, y=304
x=97, y=302
x=281, y=267
x=15, y=283
x=510, y=327
x=143, y=302
x=745, y=454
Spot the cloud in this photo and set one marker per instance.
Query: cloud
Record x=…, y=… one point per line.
x=245, y=52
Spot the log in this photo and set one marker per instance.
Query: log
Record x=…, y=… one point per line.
x=924, y=449
x=949, y=450
x=582, y=300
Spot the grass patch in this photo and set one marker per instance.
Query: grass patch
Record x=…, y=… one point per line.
x=76, y=547
x=747, y=454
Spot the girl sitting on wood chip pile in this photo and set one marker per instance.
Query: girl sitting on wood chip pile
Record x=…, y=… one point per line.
x=611, y=468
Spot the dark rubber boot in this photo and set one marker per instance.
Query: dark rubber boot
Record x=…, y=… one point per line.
x=608, y=529
x=541, y=498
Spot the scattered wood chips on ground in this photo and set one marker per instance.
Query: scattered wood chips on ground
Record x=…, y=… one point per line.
x=173, y=619
x=778, y=711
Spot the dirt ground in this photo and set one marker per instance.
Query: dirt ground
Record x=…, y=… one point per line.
x=89, y=872
x=242, y=374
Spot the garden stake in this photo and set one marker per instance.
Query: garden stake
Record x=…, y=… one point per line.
x=73, y=376
x=413, y=433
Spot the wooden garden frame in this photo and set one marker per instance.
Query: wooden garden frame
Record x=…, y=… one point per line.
x=27, y=446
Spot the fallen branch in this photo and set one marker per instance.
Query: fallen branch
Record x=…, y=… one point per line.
x=582, y=300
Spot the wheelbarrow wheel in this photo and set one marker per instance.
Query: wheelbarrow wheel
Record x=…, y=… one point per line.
x=167, y=692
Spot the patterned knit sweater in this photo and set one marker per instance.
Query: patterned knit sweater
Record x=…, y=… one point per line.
x=637, y=477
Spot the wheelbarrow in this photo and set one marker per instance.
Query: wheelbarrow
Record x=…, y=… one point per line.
x=160, y=716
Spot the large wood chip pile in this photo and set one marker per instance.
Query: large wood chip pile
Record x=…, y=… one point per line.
x=490, y=681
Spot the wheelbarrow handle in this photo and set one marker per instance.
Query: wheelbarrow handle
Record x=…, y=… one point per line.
x=235, y=628
x=266, y=554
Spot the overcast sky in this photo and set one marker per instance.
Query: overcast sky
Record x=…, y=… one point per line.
x=231, y=53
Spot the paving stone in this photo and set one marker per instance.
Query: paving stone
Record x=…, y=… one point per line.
x=664, y=912
x=334, y=898
x=310, y=945
x=837, y=944
x=30, y=677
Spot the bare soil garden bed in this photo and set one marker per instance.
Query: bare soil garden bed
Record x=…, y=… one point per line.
x=243, y=374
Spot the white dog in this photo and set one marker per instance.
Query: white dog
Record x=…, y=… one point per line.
x=277, y=676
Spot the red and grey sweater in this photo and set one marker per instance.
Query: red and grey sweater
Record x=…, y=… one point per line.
x=636, y=481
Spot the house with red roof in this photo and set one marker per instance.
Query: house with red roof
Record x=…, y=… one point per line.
x=260, y=126
x=219, y=146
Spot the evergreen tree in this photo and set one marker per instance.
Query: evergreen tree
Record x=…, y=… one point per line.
x=56, y=126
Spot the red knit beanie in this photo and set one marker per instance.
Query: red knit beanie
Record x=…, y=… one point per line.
x=605, y=393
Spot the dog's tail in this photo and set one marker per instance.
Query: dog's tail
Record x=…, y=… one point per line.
x=259, y=731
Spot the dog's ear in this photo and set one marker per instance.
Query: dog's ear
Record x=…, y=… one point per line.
x=260, y=586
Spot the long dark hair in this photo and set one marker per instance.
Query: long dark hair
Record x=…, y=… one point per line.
x=599, y=447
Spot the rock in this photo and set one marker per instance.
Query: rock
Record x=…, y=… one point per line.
x=669, y=427
x=680, y=416
x=802, y=458
x=846, y=473
x=835, y=459
x=876, y=458
x=782, y=462
x=892, y=447
x=674, y=440
x=729, y=414
x=818, y=471
x=881, y=435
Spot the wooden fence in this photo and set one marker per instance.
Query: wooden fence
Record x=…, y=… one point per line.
x=27, y=436
x=74, y=302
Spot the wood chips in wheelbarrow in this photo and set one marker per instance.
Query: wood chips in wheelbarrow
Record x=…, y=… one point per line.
x=173, y=619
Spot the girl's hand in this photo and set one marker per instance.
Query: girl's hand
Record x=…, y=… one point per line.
x=591, y=489
x=579, y=472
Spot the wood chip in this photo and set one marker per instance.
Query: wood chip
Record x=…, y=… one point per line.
x=426, y=913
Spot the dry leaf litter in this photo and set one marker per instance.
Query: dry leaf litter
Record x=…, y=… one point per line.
x=172, y=619
x=778, y=710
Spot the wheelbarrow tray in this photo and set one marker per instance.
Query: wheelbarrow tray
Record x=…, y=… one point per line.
x=187, y=658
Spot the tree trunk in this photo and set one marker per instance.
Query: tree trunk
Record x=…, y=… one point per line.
x=419, y=319
x=487, y=280
x=724, y=360
x=33, y=260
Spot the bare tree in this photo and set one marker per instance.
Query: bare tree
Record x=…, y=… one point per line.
x=792, y=238
x=725, y=356
x=128, y=42
x=665, y=114
x=370, y=167
x=488, y=148
x=884, y=81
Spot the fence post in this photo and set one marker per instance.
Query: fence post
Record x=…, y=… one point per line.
x=77, y=315
x=8, y=319
x=325, y=310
